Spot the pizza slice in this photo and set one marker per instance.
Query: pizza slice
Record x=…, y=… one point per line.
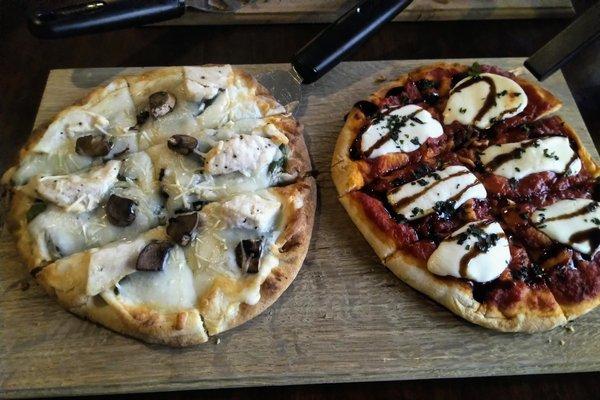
x=54, y=216
x=133, y=113
x=207, y=271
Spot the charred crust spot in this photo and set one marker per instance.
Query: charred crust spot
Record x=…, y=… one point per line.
x=35, y=271
x=291, y=243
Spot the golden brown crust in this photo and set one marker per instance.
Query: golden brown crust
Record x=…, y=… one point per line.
x=381, y=242
x=458, y=298
x=537, y=311
x=16, y=221
x=292, y=244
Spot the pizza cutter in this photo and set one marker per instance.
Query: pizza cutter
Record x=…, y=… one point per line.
x=329, y=47
x=564, y=46
x=102, y=15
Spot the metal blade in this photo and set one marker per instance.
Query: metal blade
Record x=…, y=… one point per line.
x=285, y=86
x=216, y=6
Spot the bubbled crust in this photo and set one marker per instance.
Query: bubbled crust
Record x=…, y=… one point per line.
x=539, y=311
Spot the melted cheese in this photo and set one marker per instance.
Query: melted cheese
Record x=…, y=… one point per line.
x=517, y=160
x=205, y=273
x=205, y=82
x=78, y=192
x=480, y=265
x=108, y=265
x=245, y=211
x=170, y=290
x=419, y=198
x=401, y=130
x=244, y=153
x=565, y=219
x=58, y=233
x=465, y=104
x=113, y=113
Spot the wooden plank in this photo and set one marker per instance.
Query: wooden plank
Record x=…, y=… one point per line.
x=345, y=318
x=310, y=11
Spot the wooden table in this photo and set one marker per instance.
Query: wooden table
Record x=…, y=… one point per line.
x=25, y=61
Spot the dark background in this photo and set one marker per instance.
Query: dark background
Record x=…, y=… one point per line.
x=25, y=62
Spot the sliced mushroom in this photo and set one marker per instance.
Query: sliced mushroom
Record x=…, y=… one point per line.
x=153, y=256
x=182, y=228
x=182, y=144
x=247, y=255
x=93, y=145
x=142, y=117
x=120, y=210
x=161, y=103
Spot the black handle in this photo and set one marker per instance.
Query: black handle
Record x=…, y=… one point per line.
x=96, y=16
x=331, y=45
x=557, y=52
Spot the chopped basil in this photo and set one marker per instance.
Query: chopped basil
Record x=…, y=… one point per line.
x=445, y=209
x=553, y=155
x=502, y=93
x=416, y=211
x=279, y=164
x=415, y=141
x=462, y=110
x=484, y=240
x=475, y=70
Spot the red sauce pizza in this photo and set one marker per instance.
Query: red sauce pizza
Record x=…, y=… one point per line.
x=470, y=189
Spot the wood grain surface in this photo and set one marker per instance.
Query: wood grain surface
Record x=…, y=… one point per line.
x=345, y=318
x=303, y=11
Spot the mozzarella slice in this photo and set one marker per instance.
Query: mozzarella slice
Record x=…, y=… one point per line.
x=401, y=130
x=79, y=192
x=416, y=199
x=243, y=153
x=478, y=251
x=245, y=211
x=575, y=223
x=483, y=100
x=517, y=160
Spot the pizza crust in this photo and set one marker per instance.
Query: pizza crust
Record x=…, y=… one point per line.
x=300, y=202
x=457, y=297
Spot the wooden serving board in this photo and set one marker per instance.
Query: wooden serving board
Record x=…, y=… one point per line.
x=302, y=11
x=345, y=318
